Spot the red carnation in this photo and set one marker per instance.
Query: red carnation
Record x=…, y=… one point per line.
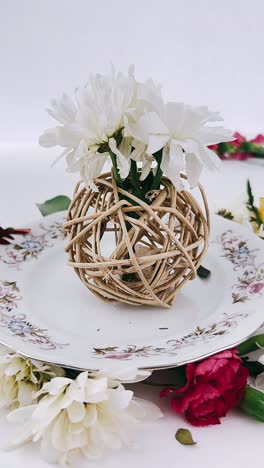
x=214, y=386
x=258, y=140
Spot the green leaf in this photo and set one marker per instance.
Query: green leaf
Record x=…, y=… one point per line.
x=184, y=436
x=252, y=344
x=251, y=207
x=253, y=403
x=250, y=194
x=225, y=148
x=254, y=367
x=59, y=203
x=255, y=149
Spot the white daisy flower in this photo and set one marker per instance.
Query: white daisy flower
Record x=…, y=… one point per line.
x=183, y=134
x=90, y=414
x=90, y=124
x=95, y=116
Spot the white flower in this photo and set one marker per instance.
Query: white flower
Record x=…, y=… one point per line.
x=21, y=377
x=98, y=112
x=129, y=374
x=261, y=357
x=89, y=162
x=87, y=415
x=259, y=380
x=183, y=133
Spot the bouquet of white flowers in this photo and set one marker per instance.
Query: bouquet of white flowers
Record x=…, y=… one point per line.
x=116, y=117
x=160, y=231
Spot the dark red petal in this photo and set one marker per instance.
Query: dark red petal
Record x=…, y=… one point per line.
x=205, y=421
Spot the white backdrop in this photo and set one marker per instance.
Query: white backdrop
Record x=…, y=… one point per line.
x=202, y=51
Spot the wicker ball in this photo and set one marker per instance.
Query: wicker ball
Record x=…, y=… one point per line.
x=126, y=250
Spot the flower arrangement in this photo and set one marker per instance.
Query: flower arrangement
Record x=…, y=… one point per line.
x=115, y=117
x=68, y=412
x=155, y=149
x=160, y=231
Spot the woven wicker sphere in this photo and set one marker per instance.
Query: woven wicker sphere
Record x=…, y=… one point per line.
x=126, y=250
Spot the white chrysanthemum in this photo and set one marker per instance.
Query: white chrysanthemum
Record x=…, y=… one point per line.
x=98, y=112
x=101, y=109
x=90, y=414
x=21, y=378
x=184, y=135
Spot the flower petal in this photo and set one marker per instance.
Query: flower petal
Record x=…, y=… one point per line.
x=91, y=167
x=49, y=138
x=171, y=166
x=193, y=169
x=149, y=124
x=76, y=411
x=259, y=381
x=129, y=374
x=90, y=416
x=26, y=392
x=123, y=161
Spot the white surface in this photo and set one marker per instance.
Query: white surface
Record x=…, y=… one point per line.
x=205, y=51
x=202, y=51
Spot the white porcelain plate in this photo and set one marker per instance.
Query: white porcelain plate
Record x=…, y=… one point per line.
x=47, y=313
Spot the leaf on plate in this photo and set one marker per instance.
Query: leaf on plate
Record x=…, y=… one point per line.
x=59, y=203
x=184, y=436
x=237, y=298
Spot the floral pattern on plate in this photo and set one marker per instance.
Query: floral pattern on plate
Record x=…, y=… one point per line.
x=17, y=323
x=18, y=252
x=247, y=284
x=250, y=281
x=173, y=346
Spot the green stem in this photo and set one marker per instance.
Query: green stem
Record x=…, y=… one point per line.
x=115, y=170
x=134, y=182
x=253, y=403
